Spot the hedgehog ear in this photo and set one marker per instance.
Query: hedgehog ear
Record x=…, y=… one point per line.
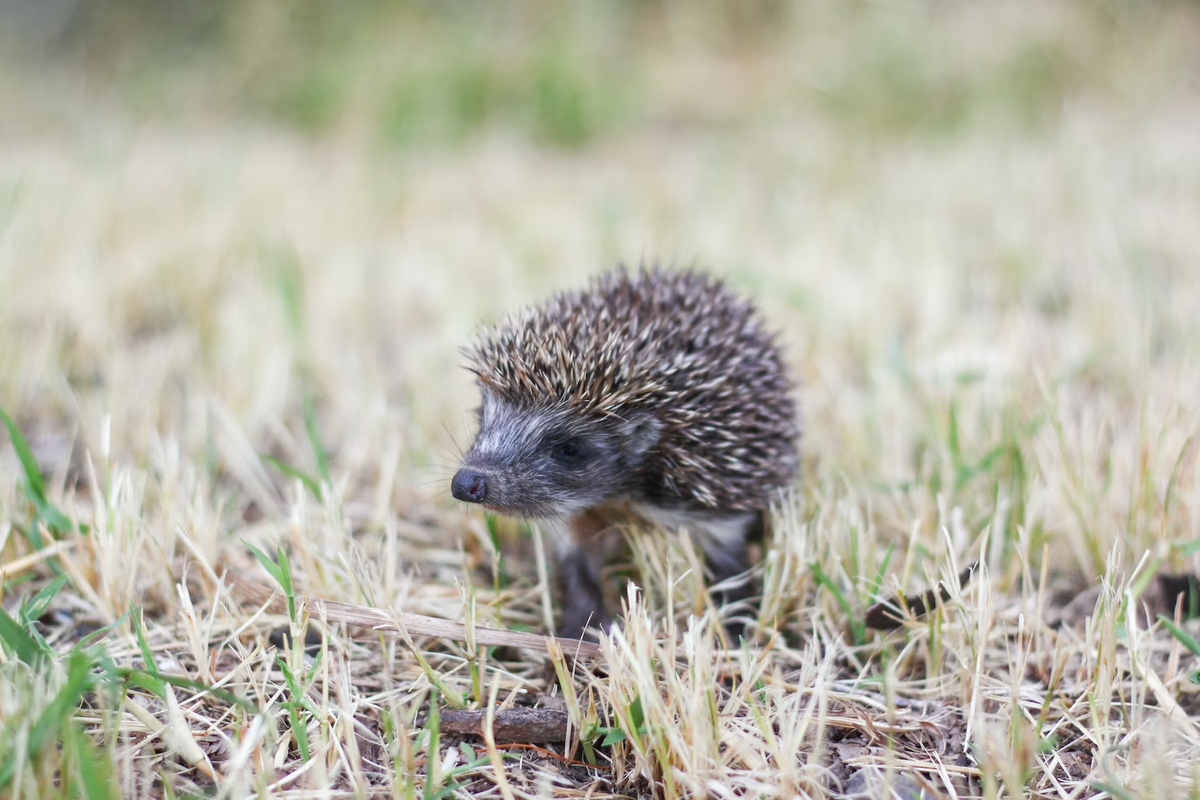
x=641, y=433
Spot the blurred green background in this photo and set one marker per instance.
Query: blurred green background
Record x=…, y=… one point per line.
x=573, y=75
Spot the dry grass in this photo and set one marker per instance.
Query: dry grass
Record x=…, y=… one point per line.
x=977, y=227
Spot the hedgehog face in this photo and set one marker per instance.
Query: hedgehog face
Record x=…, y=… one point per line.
x=545, y=461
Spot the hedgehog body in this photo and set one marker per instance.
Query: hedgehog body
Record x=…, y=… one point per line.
x=657, y=394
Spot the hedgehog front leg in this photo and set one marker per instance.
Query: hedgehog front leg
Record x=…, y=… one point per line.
x=724, y=539
x=580, y=552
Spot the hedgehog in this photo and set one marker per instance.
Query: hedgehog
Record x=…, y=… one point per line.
x=657, y=397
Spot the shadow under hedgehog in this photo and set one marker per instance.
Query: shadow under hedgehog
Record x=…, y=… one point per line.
x=658, y=396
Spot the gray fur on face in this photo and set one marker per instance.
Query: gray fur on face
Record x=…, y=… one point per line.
x=548, y=462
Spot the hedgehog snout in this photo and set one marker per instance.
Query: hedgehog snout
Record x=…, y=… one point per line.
x=469, y=486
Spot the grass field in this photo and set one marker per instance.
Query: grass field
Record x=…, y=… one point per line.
x=241, y=244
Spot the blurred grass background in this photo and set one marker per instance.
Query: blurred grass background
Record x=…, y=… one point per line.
x=571, y=75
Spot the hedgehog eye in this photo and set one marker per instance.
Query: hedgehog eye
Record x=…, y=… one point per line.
x=570, y=452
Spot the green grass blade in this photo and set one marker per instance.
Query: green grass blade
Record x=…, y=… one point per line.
x=270, y=566
x=858, y=628
x=613, y=736
x=37, y=605
x=35, y=489
x=314, y=438
x=881, y=572
x=33, y=475
x=148, y=681
x=199, y=687
x=1182, y=636
x=143, y=644
x=58, y=522
x=95, y=635
x=831, y=586
x=95, y=772
x=309, y=481
x=285, y=573
x=285, y=581
x=433, y=728
x=18, y=640
x=50, y=723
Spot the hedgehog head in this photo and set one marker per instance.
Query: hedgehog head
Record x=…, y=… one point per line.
x=534, y=460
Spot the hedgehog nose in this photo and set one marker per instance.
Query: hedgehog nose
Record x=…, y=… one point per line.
x=469, y=486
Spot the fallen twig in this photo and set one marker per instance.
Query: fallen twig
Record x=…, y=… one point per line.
x=510, y=724
x=389, y=622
